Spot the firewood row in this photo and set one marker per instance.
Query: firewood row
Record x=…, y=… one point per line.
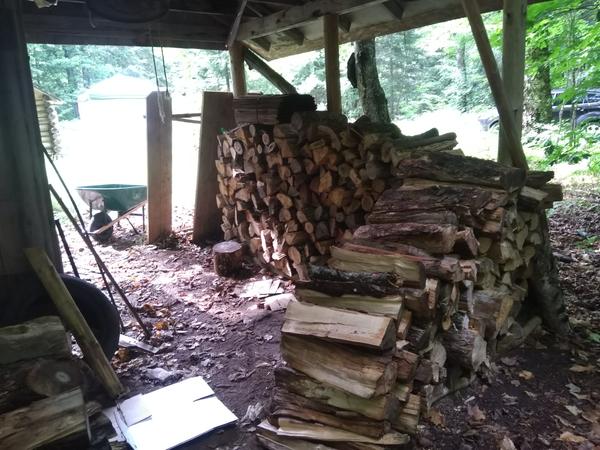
x=291, y=190
x=409, y=303
x=44, y=389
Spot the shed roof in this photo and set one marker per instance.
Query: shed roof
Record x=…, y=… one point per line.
x=273, y=28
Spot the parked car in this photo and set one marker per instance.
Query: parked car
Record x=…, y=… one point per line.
x=587, y=112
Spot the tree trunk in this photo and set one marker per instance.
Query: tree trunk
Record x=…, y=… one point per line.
x=370, y=92
x=538, y=98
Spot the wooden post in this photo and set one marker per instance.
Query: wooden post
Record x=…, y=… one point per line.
x=25, y=208
x=513, y=67
x=238, y=71
x=158, y=119
x=217, y=113
x=332, y=63
x=505, y=112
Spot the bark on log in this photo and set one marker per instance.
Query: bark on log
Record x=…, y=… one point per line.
x=227, y=258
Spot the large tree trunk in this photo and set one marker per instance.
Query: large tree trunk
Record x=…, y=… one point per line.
x=538, y=98
x=370, y=92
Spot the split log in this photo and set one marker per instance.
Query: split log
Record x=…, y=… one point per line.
x=381, y=407
x=408, y=419
x=388, y=306
x=465, y=348
x=441, y=166
x=24, y=382
x=286, y=404
x=44, y=422
x=356, y=372
x=428, y=237
x=337, y=325
x=324, y=433
x=44, y=336
x=227, y=258
x=365, y=259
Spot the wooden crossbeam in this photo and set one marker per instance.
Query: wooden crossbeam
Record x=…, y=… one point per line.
x=296, y=16
x=395, y=7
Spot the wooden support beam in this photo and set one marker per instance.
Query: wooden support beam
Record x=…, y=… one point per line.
x=332, y=63
x=217, y=113
x=160, y=161
x=25, y=208
x=255, y=62
x=295, y=35
x=490, y=66
x=513, y=67
x=300, y=15
x=238, y=71
x=233, y=32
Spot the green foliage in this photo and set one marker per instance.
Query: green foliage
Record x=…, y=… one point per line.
x=570, y=30
x=66, y=70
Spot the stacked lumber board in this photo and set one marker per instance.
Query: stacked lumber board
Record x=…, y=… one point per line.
x=290, y=190
x=412, y=305
x=270, y=109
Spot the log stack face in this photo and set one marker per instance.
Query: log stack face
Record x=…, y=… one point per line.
x=412, y=261
x=291, y=190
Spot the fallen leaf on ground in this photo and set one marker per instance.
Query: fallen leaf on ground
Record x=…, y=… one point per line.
x=578, y=368
x=564, y=422
x=592, y=416
x=526, y=374
x=475, y=414
x=567, y=436
x=509, y=399
x=509, y=361
x=573, y=409
x=436, y=417
x=531, y=394
x=507, y=444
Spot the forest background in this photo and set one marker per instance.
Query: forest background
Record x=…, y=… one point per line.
x=421, y=70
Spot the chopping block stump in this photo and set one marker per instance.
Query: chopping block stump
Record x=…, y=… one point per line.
x=227, y=258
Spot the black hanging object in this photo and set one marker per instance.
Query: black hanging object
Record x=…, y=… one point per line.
x=129, y=11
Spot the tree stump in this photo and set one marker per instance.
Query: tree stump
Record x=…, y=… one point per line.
x=227, y=258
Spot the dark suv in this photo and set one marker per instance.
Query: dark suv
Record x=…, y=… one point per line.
x=587, y=111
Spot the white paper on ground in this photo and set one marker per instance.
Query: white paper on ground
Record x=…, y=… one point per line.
x=169, y=416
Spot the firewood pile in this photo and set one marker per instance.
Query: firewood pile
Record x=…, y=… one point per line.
x=410, y=308
x=44, y=389
x=413, y=265
x=292, y=189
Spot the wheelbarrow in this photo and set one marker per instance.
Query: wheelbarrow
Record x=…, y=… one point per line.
x=126, y=199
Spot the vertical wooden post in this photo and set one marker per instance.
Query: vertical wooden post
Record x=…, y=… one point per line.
x=332, y=63
x=238, y=71
x=160, y=162
x=513, y=67
x=25, y=207
x=490, y=66
x=217, y=113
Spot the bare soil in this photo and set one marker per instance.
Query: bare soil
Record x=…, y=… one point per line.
x=541, y=396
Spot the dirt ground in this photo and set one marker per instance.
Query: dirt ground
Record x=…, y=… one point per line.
x=542, y=396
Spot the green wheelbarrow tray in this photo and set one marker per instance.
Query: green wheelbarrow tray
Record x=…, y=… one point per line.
x=113, y=197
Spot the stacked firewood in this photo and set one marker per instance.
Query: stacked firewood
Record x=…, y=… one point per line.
x=44, y=390
x=412, y=305
x=291, y=190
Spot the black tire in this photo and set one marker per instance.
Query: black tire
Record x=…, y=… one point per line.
x=100, y=219
x=96, y=308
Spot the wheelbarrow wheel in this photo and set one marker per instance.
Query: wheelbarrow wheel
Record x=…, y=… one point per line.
x=100, y=219
x=98, y=311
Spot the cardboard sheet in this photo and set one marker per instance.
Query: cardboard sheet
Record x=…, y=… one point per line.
x=170, y=416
